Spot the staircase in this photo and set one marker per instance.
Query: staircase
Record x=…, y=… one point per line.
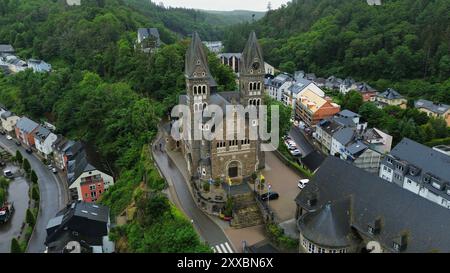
x=246, y=212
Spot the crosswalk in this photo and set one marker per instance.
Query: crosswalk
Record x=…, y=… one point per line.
x=222, y=248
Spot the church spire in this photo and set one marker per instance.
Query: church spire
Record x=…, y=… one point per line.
x=196, y=59
x=252, y=57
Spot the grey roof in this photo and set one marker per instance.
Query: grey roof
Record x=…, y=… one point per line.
x=229, y=55
x=42, y=133
x=348, y=82
x=429, y=105
x=252, y=52
x=26, y=125
x=425, y=223
x=364, y=88
x=421, y=156
x=6, y=48
x=344, y=135
x=92, y=211
x=390, y=94
x=145, y=33
x=348, y=114
x=330, y=126
x=279, y=80
x=329, y=225
x=356, y=148
x=313, y=160
x=299, y=86
x=7, y=114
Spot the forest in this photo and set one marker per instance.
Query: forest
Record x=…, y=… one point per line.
x=403, y=44
x=104, y=92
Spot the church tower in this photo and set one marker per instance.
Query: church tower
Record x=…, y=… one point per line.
x=251, y=73
x=199, y=86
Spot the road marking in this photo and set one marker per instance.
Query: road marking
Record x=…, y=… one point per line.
x=222, y=248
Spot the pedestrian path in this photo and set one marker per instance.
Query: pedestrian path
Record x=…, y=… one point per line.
x=222, y=248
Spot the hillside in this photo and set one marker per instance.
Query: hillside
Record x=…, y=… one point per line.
x=236, y=16
x=403, y=43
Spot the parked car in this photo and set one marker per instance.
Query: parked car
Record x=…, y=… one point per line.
x=296, y=152
x=50, y=166
x=8, y=137
x=28, y=150
x=269, y=196
x=7, y=173
x=6, y=212
x=2, y=132
x=17, y=143
x=292, y=147
x=302, y=183
x=54, y=170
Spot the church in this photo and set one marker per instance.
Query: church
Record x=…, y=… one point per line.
x=230, y=160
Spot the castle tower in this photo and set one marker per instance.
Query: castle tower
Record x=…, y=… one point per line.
x=251, y=73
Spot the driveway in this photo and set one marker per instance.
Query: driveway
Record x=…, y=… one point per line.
x=284, y=181
x=53, y=193
x=18, y=195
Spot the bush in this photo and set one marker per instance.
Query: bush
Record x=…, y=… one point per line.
x=18, y=157
x=35, y=193
x=276, y=234
x=228, y=212
x=34, y=177
x=26, y=166
x=15, y=246
x=206, y=186
x=2, y=196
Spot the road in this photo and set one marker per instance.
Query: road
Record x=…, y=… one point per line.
x=18, y=195
x=302, y=143
x=53, y=195
x=211, y=233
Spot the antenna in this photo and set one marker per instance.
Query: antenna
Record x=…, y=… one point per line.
x=374, y=247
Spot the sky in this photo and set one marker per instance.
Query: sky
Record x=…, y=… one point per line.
x=254, y=5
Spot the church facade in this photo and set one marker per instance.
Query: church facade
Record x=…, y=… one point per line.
x=230, y=159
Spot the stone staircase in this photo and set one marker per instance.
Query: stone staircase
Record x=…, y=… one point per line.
x=246, y=212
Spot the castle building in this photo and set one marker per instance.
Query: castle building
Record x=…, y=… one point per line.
x=227, y=159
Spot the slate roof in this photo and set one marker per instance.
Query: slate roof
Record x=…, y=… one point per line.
x=26, y=125
x=390, y=94
x=313, y=160
x=356, y=148
x=88, y=220
x=425, y=223
x=195, y=57
x=423, y=157
x=299, y=86
x=7, y=114
x=429, y=105
x=365, y=88
x=145, y=33
x=252, y=51
x=6, y=48
x=42, y=133
x=344, y=135
x=329, y=225
x=348, y=114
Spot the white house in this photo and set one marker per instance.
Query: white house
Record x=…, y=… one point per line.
x=347, y=85
x=296, y=90
x=43, y=140
x=278, y=85
x=9, y=121
x=269, y=69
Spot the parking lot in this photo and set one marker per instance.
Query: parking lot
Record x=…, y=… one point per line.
x=284, y=181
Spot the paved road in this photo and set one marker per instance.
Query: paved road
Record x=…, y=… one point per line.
x=53, y=195
x=303, y=145
x=207, y=228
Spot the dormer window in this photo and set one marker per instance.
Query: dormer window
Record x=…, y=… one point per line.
x=389, y=160
x=396, y=246
x=198, y=62
x=448, y=191
x=436, y=185
x=426, y=179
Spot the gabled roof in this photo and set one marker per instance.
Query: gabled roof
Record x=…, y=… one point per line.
x=390, y=94
x=6, y=48
x=42, y=133
x=423, y=157
x=145, y=33
x=299, y=86
x=7, y=114
x=348, y=114
x=26, y=125
x=401, y=211
x=344, y=135
x=429, y=105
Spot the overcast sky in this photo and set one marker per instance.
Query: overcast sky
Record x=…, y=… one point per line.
x=254, y=5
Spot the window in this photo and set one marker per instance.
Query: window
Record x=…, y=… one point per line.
x=396, y=246
x=371, y=230
x=93, y=194
x=389, y=160
x=92, y=187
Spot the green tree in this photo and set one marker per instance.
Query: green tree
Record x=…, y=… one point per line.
x=15, y=246
x=26, y=166
x=19, y=157
x=35, y=193
x=352, y=101
x=33, y=177
x=30, y=218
